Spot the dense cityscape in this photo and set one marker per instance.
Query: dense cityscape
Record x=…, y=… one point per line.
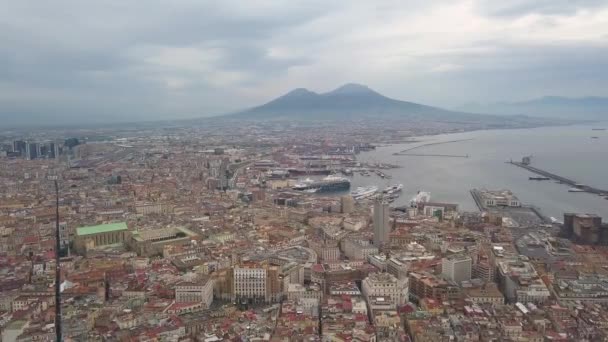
x=230, y=232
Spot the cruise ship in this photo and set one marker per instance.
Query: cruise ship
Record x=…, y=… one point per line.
x=364, y=192
x=393, y=189
x=327, y=184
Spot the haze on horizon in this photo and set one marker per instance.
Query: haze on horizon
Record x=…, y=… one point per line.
x=73, y=61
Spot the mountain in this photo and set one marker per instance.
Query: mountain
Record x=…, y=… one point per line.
x=352, y=101
x=583, y=108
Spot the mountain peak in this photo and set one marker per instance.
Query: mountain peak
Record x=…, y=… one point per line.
x=300, y=92
x=352, y=88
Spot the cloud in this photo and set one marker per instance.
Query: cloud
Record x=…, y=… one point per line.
x=446, y=67
x=124, y=60
x=526, y=7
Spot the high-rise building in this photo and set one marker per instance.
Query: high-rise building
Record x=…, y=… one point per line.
x=381, y=224
x=53, y=151
x=19, y=147
x=347, y=204
x=32, y=150
x=457, y=268
x=584, y=228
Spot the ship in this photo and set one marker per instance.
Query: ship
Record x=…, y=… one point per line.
x=393, y=189
x=421, y=197
x=327, y=184
x=303, y=185
x=539, y=178
x=575, y=190
x=364, y=192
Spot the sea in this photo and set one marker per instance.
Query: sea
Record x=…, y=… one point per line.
x=478, y=159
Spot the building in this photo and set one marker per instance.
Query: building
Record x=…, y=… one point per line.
x=498, y=198
x=388, y=326
x=297, y=291
x=434, y=209
x=484, y=270
x=257, y=283
x=153, y=241
x=382, y=226
x=357, y=249
x=393, y=291
x=487, y=293
x=584, y=228
x=347, y=204
x=457, y=268
x=397, y=268
x=31, y=150
x=200, y=291
x=19, y=147
x=425, y=285
x=326, y=250
x=250, y=284
x=100, y=235
x=519, y=282
x=145, y=208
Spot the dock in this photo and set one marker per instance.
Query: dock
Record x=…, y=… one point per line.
x=561, y=179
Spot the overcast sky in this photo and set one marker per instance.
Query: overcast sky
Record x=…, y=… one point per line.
x=121, y=59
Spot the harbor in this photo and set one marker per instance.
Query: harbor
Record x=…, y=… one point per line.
x=505, y=204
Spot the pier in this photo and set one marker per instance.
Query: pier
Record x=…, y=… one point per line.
x=561, y=179
x=405, y=152
x=432, y=155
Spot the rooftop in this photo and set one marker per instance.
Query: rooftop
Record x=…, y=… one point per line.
x=102, y=228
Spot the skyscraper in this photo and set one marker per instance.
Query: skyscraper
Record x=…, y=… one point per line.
x=381, y=223
x=19, y=147
x=31, y=150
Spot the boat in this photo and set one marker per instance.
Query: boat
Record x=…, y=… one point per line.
x=594, y=137
x=327, y=184
x=539, y=178
x=303, y=185
x=598, y=129
x=421, y=197
x=393, y=189
x=575, y=190
x=363, y=192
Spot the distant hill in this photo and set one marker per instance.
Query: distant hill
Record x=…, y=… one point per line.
x=353, y=101
x=584, y=108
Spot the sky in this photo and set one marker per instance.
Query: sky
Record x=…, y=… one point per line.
x=127, y=60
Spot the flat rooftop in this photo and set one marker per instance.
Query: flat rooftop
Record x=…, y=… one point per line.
x=101, y=228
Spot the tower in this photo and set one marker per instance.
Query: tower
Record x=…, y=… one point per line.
x=381, y=223
x=347, y=204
